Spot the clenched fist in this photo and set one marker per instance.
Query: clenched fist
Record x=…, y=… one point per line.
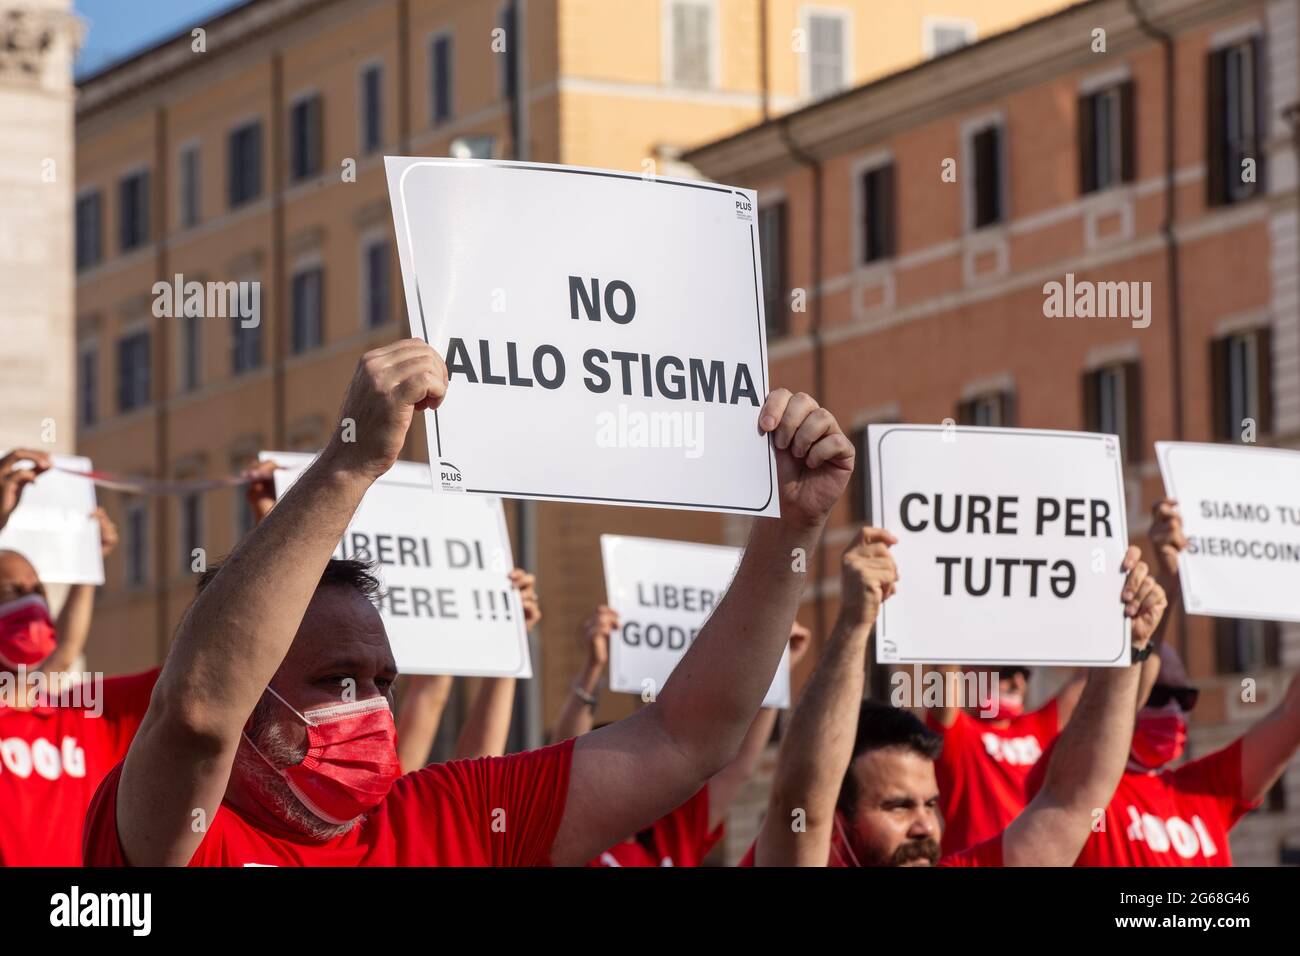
x=868, y=576
x=1144, y=599
x=390, y=384
x=1167, y=537
x=814, y=459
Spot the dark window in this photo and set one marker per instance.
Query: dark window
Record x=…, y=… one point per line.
x=1106, y=141
x=88, y=385
x=133, y=211
x=772, y=246
x=1241, y=383
x=189, y=173
x=137, y=545
x=372, y=109
x=991, y=410
x=1234, y=123
x=307, y=325
x=245, y=346
x=245, y=172
x=440, y=77
x=90, y=230
x=191, y=351
x=378, y=285
x=133, y=371
x=191, y=529
x=1245, y=646
x=1112, y=405
x=510, y=56
x=878, y=208
x=692, y=41
x=305, y=138
x=986, y=149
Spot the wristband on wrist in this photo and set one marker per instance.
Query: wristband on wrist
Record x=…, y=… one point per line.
x=1141, y=654
x=582, y=695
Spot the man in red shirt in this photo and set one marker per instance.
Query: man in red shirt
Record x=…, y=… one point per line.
x=1181, y=817
x=989, y=749
x=856, y=785
x=57, y=739
x=685, y=836
x=270, y=738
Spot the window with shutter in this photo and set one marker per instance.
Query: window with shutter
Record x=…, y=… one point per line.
x=1234, y=123
x=827, y=54
x=986, y=151
x=878, y=210
x=692, y=43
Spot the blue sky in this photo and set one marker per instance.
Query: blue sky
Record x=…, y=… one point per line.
x=117, y=28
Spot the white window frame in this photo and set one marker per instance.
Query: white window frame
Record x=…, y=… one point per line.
x=668, y=51
x=877, y=159
x=84, y=193
x=294, y=101
x=966, y=173
x=242, y=123
x=932, y=25
x=806, y=13
x=130, y=172
x=306, y=263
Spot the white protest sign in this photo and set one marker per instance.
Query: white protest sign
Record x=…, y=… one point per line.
x=603, y=332
x=449, y=607
x=52, y=526
x=1241, y=514
x=663, y=592
x=1009, y=548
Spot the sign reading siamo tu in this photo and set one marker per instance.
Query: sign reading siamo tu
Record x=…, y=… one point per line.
x=603, y=332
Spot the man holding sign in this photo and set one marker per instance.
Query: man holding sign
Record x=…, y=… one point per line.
x=59, y=737
x=283, y=652
x=855, y=781
x=1165, y=816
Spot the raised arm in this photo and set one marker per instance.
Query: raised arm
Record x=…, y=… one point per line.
x=18, y=469
x=1067, y=698
x=946, y=712
x=579, y=710
x=78, y=609
x=727, y=783
x=1268, y=746
x=636, y=770
x=1090, y=754
x=818, y=744
x=422, y=698
x=238, y=630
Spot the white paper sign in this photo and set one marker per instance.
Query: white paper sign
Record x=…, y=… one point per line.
x=449, y=607
x=663, y=592
x=52, y=526
x=603, y=332
x=1009, y=548
x=1241, y=514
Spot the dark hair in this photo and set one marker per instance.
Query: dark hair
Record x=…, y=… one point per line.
x=879, y=726
x=347, y=572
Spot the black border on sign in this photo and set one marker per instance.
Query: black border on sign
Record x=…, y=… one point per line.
x=878, y=506
x=758, y=316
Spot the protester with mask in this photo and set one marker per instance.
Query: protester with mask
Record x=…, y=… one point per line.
x=282, y=663
x=1161, y=816
x=422, y=698
x=989, y=747
x=58, y=737
x=685, y=836
x=855, y=782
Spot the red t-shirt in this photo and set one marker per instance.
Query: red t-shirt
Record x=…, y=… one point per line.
x=1171, y=818
x=682, y=838
x=987, y=853
x=495, y=811
x=51, y=760
x=983, y=769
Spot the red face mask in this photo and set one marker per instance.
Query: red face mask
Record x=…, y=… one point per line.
x=27, y=634
x=1004, y=707
x=351, y=761
x=1158, y=739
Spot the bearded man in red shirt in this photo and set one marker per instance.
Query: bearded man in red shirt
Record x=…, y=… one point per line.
x=270, y=737
x=855, y=782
